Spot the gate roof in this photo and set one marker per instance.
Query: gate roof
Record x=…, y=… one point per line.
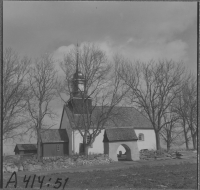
x=119, y=134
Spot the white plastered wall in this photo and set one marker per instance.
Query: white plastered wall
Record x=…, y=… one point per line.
x=149, y=139
x=77, y=140
x=97, y=147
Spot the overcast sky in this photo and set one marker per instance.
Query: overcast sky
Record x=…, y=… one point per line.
x=138, y=30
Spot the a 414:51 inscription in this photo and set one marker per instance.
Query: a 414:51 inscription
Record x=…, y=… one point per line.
x=36, y=179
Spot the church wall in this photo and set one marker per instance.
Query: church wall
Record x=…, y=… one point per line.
x=65, y=125
x=98, y=146
x=77, y=140
x=149, y=139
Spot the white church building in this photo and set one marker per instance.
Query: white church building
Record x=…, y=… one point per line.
x=130, y=127
x=134, y=119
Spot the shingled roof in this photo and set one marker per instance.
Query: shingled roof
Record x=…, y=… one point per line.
x=119, y=134
x=25, y=147
x=54, y=135
x=120, y=117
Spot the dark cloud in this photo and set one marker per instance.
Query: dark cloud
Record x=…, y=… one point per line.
x=37, y=27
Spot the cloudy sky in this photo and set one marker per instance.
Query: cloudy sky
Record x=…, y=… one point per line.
x=138, y=30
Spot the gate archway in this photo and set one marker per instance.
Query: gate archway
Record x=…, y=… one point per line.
x=126, y=137
x=124, y=155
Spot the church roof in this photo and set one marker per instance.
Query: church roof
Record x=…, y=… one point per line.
x=119, y=134
x=54, y=135
x=119, y=117
x=26, y=147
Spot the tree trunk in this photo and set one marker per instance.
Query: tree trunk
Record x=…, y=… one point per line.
x=193, y=139
x=169, y=141
x=85, y=150
x=194, y=142
x=39, y=146
x=85, y=147
x=168, y=146
x=39, y=131
x=185, y=135
x=157, y=140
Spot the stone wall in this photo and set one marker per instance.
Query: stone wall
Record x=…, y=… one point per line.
x=17, y=164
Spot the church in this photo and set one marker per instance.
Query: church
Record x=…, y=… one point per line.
x=126, y=133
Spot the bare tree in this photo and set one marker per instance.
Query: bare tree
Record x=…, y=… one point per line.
x=42, y=81
x=102, y=84
x=186, y=107
x=190, y=100
x=171, y=131
x=15, y=90
x=181, y=109
x=153, y=88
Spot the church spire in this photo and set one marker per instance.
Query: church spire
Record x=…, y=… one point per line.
x=78, y=80
x=79, y=101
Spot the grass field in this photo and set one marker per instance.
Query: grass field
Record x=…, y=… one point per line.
x=181, y=176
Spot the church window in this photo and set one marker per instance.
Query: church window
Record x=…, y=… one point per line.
x=141, y=137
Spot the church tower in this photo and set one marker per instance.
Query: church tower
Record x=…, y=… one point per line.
x=79, y=102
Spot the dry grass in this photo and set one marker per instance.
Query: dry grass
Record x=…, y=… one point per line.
x=181, y=176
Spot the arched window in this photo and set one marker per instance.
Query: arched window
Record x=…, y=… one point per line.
x=141, y=137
